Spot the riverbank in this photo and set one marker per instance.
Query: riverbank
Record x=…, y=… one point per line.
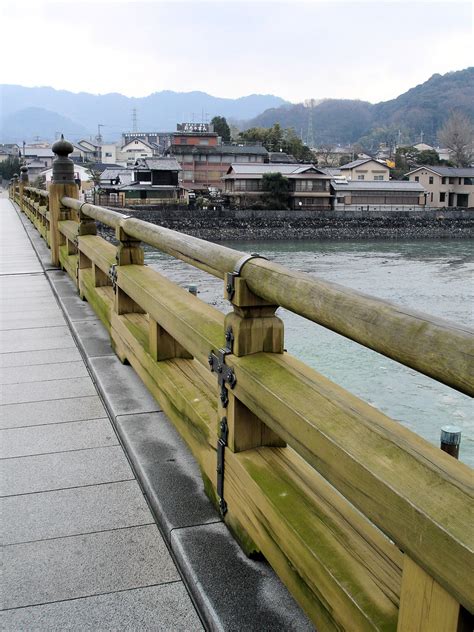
x=226, y=224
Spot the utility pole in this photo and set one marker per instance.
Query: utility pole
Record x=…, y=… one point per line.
x=99, y=135
x=309, y=103
x=134, y=120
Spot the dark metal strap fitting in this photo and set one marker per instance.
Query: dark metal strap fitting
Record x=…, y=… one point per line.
x=225, y=374
x=221, y=445
x=113, y=275
x=231, y=276
x=229, y=339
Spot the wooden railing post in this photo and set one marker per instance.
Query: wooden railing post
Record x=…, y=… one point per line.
x=129, y=252
x=425, y=606
x=250, y=328
x=23, y=183
x=62, y=185
x=15, y=187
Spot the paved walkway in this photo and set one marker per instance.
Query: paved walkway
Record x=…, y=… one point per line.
x=82, y=551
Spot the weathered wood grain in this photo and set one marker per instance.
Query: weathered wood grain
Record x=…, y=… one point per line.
x=424, y=605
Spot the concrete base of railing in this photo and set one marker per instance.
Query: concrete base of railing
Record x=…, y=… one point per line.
x=229, y=590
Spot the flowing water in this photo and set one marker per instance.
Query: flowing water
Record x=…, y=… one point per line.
x=435, y=277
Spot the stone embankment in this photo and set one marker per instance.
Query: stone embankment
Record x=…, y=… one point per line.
x=225, y=224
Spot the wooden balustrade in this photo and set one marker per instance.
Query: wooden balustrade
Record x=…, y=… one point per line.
x=368, y=525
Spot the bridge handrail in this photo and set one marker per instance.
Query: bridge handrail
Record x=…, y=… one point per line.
x=417, y=495
x=438, y=348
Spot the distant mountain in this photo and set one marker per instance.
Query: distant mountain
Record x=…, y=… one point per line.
x=157, y=112
x=29, y=112
x=421, y=109
x=26, y=124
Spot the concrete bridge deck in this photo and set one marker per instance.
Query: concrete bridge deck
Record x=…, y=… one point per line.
x=82, y=547
x=82, y=550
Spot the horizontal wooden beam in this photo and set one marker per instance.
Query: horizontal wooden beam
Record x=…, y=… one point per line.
x=440, y=349
x=406, y=486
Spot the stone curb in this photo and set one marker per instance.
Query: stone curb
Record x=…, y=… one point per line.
x=230, y=591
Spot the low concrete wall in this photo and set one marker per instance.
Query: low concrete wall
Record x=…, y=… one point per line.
x=226, y=224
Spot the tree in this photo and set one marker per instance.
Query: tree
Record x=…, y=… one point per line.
x=457, y=134
x=221, y=127
x=428, y=157
x=325, y=154
x=275, y=139
x=9, y=167
x=276, y=191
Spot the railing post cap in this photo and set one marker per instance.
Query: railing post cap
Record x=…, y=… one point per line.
x=451, y=435
x=63, y=167
x=62, y=147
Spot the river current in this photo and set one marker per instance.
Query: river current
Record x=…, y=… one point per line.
x=434, y=276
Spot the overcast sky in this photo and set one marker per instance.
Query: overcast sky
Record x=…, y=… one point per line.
x=371, y=50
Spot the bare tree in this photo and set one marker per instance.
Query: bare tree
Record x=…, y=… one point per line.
x=457, y=134
x=325, y=155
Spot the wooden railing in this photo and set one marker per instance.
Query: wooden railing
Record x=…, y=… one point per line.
x=368, y=525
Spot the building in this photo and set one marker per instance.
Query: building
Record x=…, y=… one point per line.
x=370, y=195
x=309, y=186
x=204, y=166
x=366, y=169
x=40, y=156
x=137, y=149
x=9, y=151
x=195, y=134
x=82, y=177
x=280, y=157
x=445, y=186
x=86, y=151
x=153, y=181
x=161, y=139
x=108, y=153
x=110, y=186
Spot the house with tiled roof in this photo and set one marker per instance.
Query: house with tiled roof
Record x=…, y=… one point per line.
x=308, y=186
x=377, y=195
x=366, y=169
x=445, y=186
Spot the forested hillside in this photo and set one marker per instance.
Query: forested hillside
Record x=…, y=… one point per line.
x=422, y=109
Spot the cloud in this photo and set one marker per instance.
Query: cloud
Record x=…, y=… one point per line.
x=368, y=50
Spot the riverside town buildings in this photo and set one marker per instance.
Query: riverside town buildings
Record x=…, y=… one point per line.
x=445, y=186
x=309, y=186
x=204, y=160
x=360, y=195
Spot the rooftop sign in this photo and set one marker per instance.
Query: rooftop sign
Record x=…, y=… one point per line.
x=195, y=127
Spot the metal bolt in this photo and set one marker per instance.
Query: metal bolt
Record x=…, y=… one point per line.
x=451, y=440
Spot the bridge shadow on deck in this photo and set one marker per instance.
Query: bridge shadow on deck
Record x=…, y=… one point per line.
x=82, y=549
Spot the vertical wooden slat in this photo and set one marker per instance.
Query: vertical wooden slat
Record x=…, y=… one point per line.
x=425, y=606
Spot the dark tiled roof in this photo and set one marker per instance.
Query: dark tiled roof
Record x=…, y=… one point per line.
x=377, y=185
x=361, y=161
x=280, y=156
x=253, y=170
x=223, y=150
x=452, y=172
x=159, y=164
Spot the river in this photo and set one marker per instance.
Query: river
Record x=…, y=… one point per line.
x=434, y=276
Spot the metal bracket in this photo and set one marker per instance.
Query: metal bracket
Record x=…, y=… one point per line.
x=113, y=276
x=231, y=276
x=229, y=339
x=221, y=445
x=225, y=374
